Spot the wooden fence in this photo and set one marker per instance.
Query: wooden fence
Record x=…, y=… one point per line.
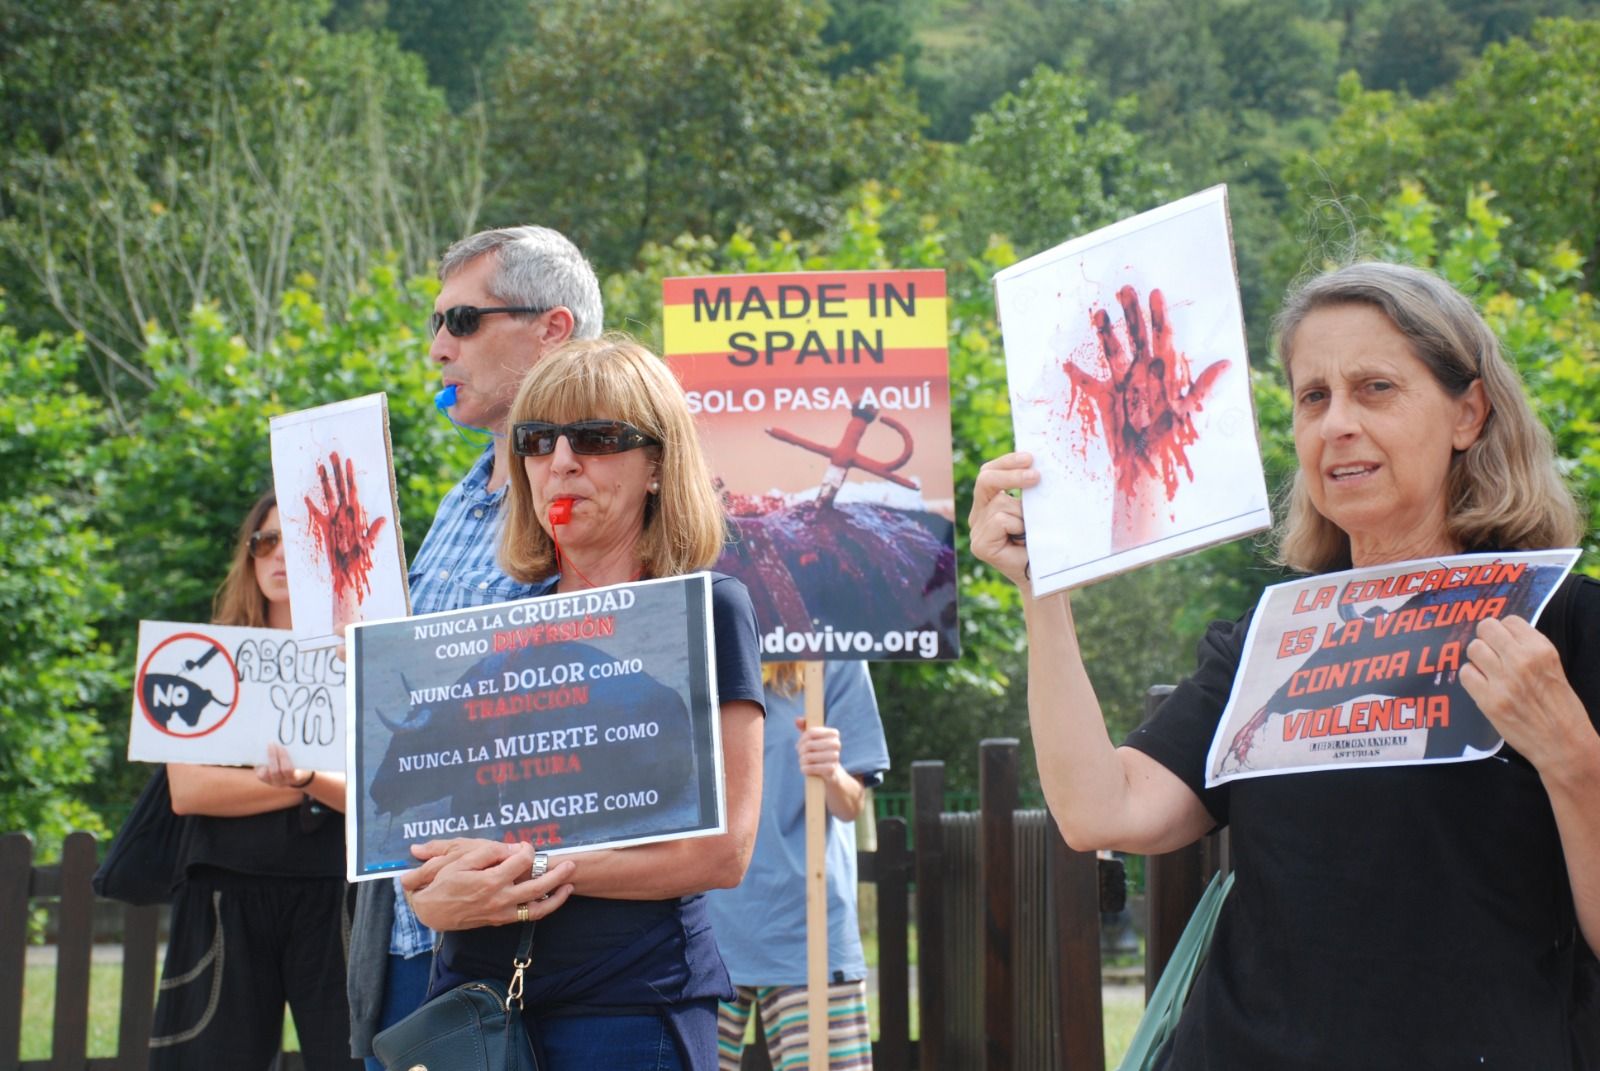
x=1007, y=920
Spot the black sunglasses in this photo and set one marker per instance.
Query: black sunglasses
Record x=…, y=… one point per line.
x=463, y=320
x=264, y=542
x=537, y=438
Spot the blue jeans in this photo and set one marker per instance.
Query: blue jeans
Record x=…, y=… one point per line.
x=405, y=989
x=614, y=1042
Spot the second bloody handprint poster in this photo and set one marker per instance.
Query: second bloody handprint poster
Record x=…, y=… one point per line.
x=334, y=473
x=1130, y=386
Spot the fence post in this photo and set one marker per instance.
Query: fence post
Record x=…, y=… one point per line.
x=927, y=804
x=997, y=790
x=69, y=1044
x=892, y=869
x=139, y=935
x=16, y=869
x=1073, y=893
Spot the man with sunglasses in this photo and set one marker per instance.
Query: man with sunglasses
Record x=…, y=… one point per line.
x=508, y=296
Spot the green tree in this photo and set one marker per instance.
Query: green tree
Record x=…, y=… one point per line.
x=629, y=122
x=1044, y=170
x=1523, y=121
x=96, y=510
x=865, y=33
x=215, y=152
x=461, y=41
x=56, y=582
x=1547, y=321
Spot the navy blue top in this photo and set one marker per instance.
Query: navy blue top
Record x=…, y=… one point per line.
x=599, y=956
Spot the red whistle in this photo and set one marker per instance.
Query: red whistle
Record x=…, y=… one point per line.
x=561, y=511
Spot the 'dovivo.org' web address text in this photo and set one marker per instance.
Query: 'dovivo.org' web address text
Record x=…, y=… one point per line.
x=924, y=643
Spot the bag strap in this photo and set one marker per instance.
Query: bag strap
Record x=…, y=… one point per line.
x=520, y=962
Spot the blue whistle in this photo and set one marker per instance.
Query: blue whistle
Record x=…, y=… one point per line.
x=444, y=401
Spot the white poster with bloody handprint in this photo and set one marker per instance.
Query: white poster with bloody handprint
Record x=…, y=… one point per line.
x=1130, y=386
x=334, y=473
x=1363, y=668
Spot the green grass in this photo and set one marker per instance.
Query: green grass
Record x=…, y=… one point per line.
x=39, y=1002
x=105, y=1000
x=1121, y=1018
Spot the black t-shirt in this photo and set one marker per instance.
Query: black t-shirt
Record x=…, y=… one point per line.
x=1399, y=917
x=297, y=842
x=587, y=928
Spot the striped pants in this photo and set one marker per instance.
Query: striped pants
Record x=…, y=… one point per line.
x=783, y=1021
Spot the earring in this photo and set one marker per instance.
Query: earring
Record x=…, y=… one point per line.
x=655, y=486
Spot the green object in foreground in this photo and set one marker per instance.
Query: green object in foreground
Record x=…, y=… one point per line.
x=1172, y=992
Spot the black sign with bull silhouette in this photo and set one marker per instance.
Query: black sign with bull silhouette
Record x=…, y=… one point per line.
x=566, y=721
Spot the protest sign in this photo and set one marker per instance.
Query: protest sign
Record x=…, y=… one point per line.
x=1361, y=668
x=823, y=401
x=587, y=720
x=219, y=694
x=1130, y=386
x=334, y=473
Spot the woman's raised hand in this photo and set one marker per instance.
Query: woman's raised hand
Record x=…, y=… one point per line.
x=994, y=527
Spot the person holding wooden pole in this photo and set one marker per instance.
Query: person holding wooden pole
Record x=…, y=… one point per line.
x=761, y=926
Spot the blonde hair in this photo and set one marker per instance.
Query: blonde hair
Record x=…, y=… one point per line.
x=240, y=601
x=785, y=678
x=1504, y=491
x=616, y=378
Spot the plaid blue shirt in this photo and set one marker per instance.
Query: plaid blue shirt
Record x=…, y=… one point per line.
x=455, y=567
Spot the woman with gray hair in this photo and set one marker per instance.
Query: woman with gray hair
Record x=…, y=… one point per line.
x=1392, y=917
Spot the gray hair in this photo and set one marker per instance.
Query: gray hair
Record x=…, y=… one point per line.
x=1504, y=491
x=536, y=266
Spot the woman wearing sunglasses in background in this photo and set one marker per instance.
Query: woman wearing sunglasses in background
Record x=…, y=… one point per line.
x=625, y=971
x=258, y=918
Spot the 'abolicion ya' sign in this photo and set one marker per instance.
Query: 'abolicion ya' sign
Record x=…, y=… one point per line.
x=221, y=693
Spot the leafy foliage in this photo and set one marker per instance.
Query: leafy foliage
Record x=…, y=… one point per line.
x=151, y=510
x=231, y=147
x=1547, y=322
x=1044, y=170
x=1523, y=121
x=693, y=118
x=56, y=583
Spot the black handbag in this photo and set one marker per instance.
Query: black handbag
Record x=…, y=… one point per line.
x=477, y=1026
x=142, y=866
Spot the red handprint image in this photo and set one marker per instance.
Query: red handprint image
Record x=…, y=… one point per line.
x=343, y=534
x=1145, y=398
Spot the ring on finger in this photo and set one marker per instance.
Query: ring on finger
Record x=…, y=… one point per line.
x=522, y=912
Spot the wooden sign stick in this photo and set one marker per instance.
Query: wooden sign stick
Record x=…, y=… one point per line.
x=816, y=891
